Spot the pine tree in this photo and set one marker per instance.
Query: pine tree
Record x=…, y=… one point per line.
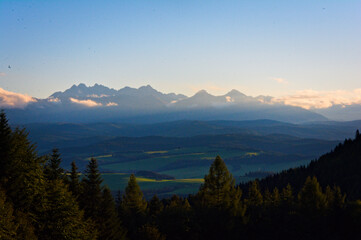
x=21, y=176
x=133, y=201
x=155, y=206
x=25, y=227
x=150, y=232
x=62, y=217
x=133, y=208
x=287, y=197
x=339, y=198
x=74, y=183
x=91, y=196
x=53, y=170
x=218, y=189
x=109, y=224
x=255, y=197
x=5, y=146
x=24, y=180
x=276, y=198
x=267, y=198
x=335, y=199
x=311, y=198
x=8, y=225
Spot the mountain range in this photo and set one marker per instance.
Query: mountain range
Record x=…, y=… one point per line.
x=98, y=103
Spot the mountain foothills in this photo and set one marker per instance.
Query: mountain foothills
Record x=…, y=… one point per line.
x=147, y=105
x=40, y=200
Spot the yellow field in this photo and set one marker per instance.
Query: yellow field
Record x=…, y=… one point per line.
x=252, y=154
x=102, y=156
x=189, y=180
x=153, y=152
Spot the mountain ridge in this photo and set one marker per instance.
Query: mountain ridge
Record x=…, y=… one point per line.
x=81, y=103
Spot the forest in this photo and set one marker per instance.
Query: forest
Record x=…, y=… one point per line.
x=41, y=200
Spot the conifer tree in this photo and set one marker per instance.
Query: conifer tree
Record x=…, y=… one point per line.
x=91, y=196
x=255, y=197
x=24, y=180
x=311, y=198
x=276, y=198
x=287, y=196
x=62, y=217
x=5, y=146
x=150, y=232
x=339, y=198
x=8, y=225
x=155, y=206
x=109, y=224
x=53, y=170
x=267, y=198
x=74, y=183
x=133, y=208
x=133, y=201
x=25, y=227
x=218, y=189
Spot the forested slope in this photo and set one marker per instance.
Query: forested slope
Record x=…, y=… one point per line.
x=341, y=167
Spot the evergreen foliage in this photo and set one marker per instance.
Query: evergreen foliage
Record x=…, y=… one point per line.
x=133, y=208
x=133, y=202
x=36, y=202
x=62, y=216
x=109, y=224
x=8, y=225
x=53, y=170
x=218, y=189
x=74, y=183
x=91, y=196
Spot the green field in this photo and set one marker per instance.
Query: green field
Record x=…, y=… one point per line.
x=187, y=165
x=163, y=188
x=187, y=160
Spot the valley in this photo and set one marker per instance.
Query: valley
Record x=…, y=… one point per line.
x=183, y=151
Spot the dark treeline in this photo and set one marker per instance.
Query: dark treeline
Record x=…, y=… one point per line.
x=341, y=167
x=39, y=200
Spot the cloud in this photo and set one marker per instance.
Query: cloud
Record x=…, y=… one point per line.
x=2, y=74
x=280, y=80
x=229, y=99
x=87, y=103
x=97, y=96
x=111, y=104
x=311, y=99
x=14, y=100
x=54, y=100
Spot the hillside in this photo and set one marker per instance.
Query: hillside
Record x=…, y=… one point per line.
x=341, y=167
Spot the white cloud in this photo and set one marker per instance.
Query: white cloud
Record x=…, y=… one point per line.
x=54, y=100
x=87, y=103
x=229, y=99
x=97, y=96
x=280, y=80
x=14, y=100
x=311, y=99
x=111, y=104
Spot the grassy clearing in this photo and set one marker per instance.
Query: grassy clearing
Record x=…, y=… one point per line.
x=99, y=157
x=187, y=165
x=154, y=152
x=118, y=181
x=252, y=154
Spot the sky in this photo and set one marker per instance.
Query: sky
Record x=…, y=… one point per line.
x=287, y=49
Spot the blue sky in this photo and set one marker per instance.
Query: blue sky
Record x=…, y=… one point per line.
x=258, y=47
